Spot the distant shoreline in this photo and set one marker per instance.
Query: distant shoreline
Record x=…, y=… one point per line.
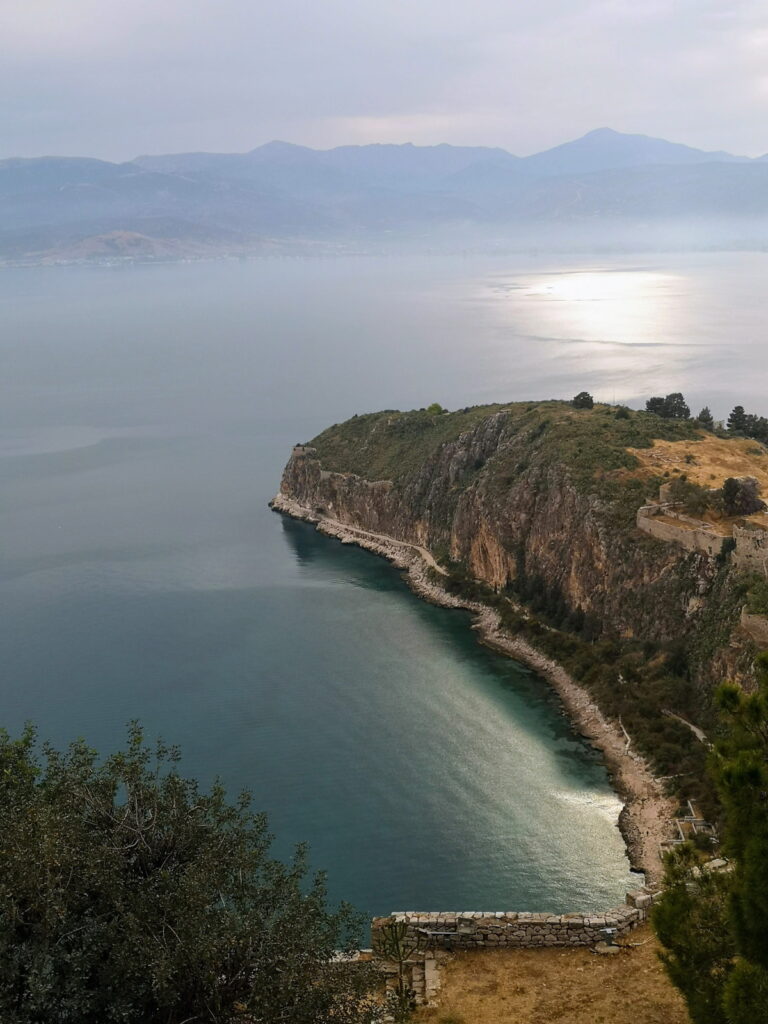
x=327, y=251
x=646, y=818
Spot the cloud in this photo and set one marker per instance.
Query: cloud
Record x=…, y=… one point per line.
x=114, y=78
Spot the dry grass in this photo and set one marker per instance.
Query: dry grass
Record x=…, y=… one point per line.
x=712, y=459
x=556, y=986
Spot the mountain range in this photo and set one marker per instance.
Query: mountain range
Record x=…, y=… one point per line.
x=606, y=188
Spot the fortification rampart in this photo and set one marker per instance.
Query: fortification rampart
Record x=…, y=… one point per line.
x=665, y=520
x=664, y=523
x=482, y=929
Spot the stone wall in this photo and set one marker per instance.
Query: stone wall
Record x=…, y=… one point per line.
x=751, y=552
x=692, y=538
x=482, y=929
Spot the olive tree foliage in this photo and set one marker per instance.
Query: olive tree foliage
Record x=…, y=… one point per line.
x=741, y=496
x=129, y=895
x=695, y=499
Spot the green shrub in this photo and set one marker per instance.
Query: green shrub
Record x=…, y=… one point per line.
x=757, y=596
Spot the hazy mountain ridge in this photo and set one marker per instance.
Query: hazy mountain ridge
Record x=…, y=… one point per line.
x=594, y=190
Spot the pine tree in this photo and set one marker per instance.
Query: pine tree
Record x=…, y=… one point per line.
x=655, y=405
x=714, y=926
x=705, y=418
x=672, y=407
x=691, y=922
x=737, y=421
x=675, y=407
x=742, y=777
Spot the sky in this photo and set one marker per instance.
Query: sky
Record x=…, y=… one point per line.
x=116, y=78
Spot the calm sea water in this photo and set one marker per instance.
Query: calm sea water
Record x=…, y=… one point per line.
x=146, y=415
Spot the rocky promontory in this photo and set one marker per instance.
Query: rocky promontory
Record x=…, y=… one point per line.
x=526, y=514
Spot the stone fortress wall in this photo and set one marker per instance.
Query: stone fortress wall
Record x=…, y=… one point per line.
x=664, y=523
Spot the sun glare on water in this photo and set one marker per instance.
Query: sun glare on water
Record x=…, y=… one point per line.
x=632, y=307
x=622, y=329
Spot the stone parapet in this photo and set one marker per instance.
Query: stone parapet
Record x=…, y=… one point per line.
x=522, y=930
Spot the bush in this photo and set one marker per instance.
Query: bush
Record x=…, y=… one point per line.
x=757, y=596
x=583, y=401
x=694, y=498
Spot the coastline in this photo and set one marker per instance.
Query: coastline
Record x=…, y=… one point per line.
x=646, y=818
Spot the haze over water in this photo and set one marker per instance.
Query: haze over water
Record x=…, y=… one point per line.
x=146, y=417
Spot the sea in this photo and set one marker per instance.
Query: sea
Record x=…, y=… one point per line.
x=146, y=415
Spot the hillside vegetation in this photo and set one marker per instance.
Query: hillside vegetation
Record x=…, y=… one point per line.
x=589, y=442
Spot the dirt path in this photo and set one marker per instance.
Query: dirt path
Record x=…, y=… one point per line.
x=700, y=735
x=647, y=817
x=556, y=986
x=363, y=534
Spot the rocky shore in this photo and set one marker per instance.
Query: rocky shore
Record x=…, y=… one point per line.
x=647, y=817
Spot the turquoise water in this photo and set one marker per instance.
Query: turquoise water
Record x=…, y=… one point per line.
x=145, y=419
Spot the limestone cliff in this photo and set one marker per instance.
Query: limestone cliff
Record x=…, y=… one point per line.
x=505, y=500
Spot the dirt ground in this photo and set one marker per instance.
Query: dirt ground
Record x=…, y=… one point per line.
x=714, y=459
x=556, y=986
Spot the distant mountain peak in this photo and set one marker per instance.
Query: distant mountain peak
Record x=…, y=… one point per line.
x=607, y=149
x=279, y=146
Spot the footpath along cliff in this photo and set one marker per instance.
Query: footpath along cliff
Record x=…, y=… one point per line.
x=527, y=514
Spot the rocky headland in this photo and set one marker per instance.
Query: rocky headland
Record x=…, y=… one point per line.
x=525, y=515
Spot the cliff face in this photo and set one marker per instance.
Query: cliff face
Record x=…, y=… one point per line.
x=502, y=500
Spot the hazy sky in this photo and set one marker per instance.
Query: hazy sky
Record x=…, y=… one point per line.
x=115, y=78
